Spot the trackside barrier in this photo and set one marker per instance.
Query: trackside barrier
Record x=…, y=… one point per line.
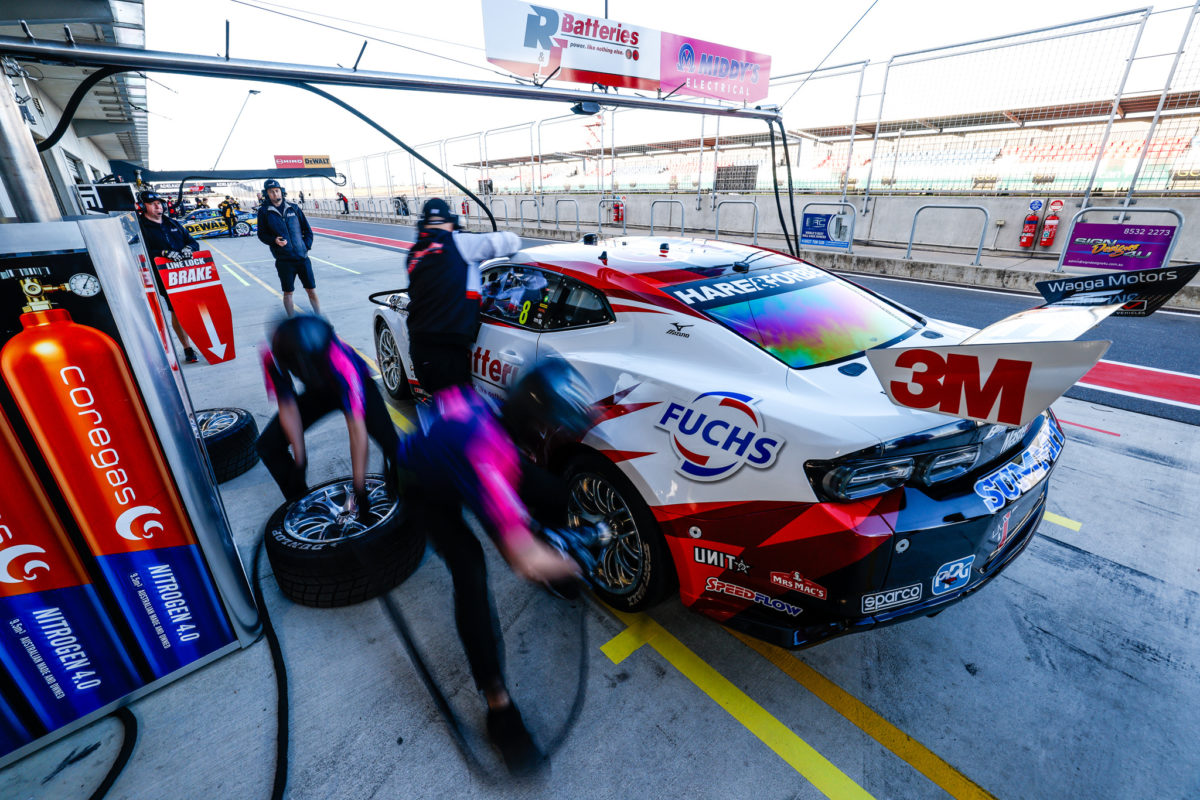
x=682, y=213
x=853, y=217
x=600, y=216
x=536, y=207
x=567, y=200
x=717, y=224
x=1124, y=211
x=492, y=206
x=982, y=234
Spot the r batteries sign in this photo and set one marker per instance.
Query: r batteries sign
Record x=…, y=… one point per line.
x=199, y=301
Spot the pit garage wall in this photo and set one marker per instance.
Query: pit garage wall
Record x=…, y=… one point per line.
x=888, y=222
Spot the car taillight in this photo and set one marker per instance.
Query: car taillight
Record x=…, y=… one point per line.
x=945, y=466
x=856, y=481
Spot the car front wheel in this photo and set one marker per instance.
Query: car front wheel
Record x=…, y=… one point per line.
x=391, y=366
x=633, y=570
x=242, y=229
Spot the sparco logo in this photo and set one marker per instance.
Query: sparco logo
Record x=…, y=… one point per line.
x=881, y=601
x=718, y=432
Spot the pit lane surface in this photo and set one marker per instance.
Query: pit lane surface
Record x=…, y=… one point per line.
x=1072, y=675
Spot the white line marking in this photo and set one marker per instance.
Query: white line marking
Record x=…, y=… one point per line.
x=330, y=263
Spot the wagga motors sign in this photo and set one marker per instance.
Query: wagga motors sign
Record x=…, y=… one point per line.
x=535, y=41
x=302, y=162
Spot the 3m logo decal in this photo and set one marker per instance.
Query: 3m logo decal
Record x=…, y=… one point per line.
x=716, y=433
x=955, y=382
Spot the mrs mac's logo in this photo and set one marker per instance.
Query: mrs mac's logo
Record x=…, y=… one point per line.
x=716, y=433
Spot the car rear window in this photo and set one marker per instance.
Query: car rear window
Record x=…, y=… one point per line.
x=799, y=314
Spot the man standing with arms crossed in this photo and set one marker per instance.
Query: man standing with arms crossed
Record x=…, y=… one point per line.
x=166, y=238
x=283, y=227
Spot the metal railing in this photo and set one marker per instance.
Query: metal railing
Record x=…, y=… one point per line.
x=982, y=234
x=537, y=208
x=492, y=205
x=682, y=213
x=567, y=200
x=1120, y=217
x=843, y=204
x=717, y=223
x=600, y=217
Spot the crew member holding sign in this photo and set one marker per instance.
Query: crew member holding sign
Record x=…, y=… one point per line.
x=283, y=227
x=166, y=238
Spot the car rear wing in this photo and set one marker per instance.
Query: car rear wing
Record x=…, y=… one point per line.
x=1012, y=370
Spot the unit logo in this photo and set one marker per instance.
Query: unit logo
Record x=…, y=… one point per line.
x=716, y=433
x=881, y=601
x=8, y=557
x=733, y=590
x=953, y=575
x=715, y=558
x=798, y=583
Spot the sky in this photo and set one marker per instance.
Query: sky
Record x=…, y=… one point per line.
x=191, y=117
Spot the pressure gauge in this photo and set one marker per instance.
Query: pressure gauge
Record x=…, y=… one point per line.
x=84, y=285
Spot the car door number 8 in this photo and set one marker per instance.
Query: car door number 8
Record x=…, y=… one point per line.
x=524, y=312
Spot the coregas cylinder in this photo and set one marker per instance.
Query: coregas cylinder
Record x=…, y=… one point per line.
x=78, y=397
x=56, y=643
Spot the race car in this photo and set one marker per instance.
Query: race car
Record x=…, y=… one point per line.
x=205, y=222
x=745, y=451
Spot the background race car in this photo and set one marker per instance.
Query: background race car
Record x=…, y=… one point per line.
x=206, y=222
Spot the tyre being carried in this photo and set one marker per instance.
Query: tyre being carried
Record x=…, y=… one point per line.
x=228, y=435
x=323, y=556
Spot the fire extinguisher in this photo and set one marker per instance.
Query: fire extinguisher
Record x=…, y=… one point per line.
x=466, y=208
x=1049, y=228
x=356, y=205
x=78, y=398
x=618, y=210
x=1029, y=230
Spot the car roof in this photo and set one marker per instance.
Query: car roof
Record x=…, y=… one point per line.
x=637, y=268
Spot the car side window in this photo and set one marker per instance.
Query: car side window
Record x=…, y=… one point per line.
x=519, y=295
x=580, y=306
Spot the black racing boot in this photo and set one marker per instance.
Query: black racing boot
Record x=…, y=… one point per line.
x=507, y=731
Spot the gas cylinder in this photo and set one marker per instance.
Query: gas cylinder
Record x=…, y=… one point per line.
x=56, y=643
x=78, y=398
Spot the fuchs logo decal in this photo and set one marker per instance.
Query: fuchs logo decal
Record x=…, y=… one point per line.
x=881, y=601
x=733, y=590
x=798, y=583
x=718, y=432
x=953, y=575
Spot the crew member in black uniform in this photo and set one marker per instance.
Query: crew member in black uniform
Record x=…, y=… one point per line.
x=444, y=290
x=166, y=238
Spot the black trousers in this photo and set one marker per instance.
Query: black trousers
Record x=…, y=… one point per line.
x=441, y=365
x=313, y=405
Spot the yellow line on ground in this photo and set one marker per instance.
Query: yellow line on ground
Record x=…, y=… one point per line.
x=1063, y=521
x=234, y=274
x=822, y=774
x=398, y=419
x=249, y=274
x=330, y=263
x=920, y=757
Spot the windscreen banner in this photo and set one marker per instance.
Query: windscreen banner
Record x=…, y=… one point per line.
x=543, y=43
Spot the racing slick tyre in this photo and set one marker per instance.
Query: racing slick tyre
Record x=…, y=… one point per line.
x=634, y=570
x=322, y=556
x=242, y=229
x=228, y=435
x=391, y=366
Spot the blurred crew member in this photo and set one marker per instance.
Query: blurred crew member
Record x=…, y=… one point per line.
x=283, y=227
x=335, y=378
x=166, y=238
x=467, y=459
x=302, y=198
x=229, y=208
x=345, y=203
x=444, y=289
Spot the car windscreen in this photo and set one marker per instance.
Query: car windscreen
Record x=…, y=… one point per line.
x=801, y=315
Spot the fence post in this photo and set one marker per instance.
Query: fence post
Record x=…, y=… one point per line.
x=982, y=234
x=682, y=214
x=717, y=225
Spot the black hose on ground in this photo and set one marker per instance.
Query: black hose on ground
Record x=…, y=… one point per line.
x=282, y=712
x=129, y=726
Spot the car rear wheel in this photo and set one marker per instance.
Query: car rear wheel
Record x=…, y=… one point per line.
x=391, y=365
x=323, y=556
x=229, y=435
x=242, y=229
x=633, y=570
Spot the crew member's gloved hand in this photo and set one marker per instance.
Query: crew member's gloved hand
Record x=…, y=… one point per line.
x=297, y=483
x=362, y=502
x=174, y=255
x=187, y=252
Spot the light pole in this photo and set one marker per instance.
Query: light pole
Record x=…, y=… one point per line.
x=235, y=122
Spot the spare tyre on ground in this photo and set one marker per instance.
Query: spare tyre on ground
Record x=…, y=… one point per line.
x=323, y=556
x=228, y=435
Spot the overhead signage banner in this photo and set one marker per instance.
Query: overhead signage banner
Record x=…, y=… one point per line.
x=302, y=162
x=543, y=43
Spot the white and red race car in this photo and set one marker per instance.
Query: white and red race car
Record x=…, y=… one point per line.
x=774, y=439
